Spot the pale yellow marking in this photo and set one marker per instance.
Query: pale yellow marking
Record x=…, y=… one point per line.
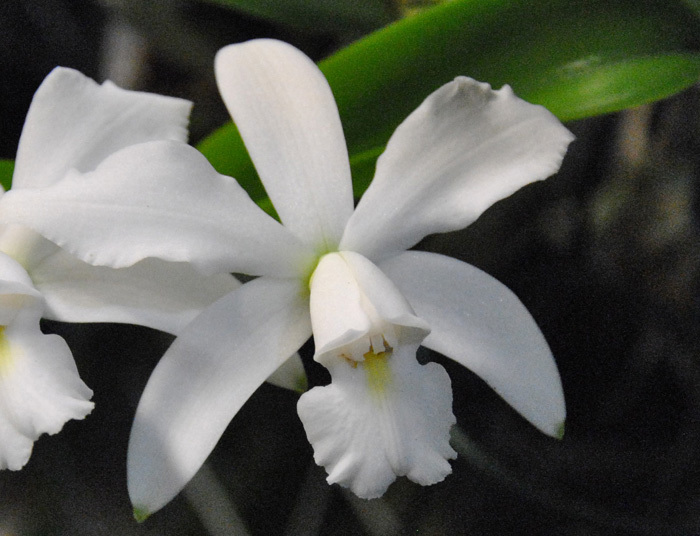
x=378, y=371
x=6, y=360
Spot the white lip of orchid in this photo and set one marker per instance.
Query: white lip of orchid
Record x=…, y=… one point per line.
x=376, y=365
x=362, y=425
x=40, y=389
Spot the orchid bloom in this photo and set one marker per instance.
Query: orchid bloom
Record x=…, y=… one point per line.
x=40, y=389
x=340, y=274
x=72, y=125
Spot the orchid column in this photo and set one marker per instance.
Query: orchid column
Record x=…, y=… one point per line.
x=340, y=274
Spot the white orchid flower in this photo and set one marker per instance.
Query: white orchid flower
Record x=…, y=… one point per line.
x=40, y=389
x=72, y=125
x=343, y=275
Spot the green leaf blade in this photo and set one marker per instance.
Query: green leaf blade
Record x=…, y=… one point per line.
x=577, y=58
x=600, y=88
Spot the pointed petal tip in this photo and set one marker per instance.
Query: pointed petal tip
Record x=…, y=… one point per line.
x=302, y=385
x=560, y=430
x=554, y=427
x=141, y=514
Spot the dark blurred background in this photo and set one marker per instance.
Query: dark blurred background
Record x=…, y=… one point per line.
x=605, y=255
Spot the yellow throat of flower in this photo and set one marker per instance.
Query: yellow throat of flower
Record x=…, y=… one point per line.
x=377, y=367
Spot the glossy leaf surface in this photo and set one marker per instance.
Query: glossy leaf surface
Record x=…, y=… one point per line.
x=578, y=59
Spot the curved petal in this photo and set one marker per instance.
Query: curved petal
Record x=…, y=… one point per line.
x=75, y=123
x=40, y=389
x=14, y=281
x=355, y=308
x=367, y=432
x=286, y=114
x=482, y=325
x=158, y=199
x=18, y=297
x=154, y=293
x=25, y=246
x=459, y=152
x=203, y=380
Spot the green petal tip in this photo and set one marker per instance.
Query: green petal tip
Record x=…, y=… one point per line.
x=141, y=514
x=560, y=430
x=302, y=385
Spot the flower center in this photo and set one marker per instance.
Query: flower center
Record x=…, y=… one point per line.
x=376, y=366
x=378, y=373
x=359, y=318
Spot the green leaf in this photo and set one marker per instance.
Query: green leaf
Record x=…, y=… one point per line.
x=319, y=15
x=596, y=87
x=7, y=168
x=578, y=58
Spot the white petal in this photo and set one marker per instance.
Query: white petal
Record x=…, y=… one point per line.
x=365, y=435
x=354, y=307
x=482, y=325
x=462, y=150
x=287, y=116
x=203, y=380
x=14, y=280
x=158, y=199
x=154, y=293
x=18, y=297
x=40, y=389
x=75, y=123
x=25, y=246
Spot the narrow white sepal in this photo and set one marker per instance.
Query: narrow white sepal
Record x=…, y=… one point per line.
x=288, y=119
x=205, y=377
